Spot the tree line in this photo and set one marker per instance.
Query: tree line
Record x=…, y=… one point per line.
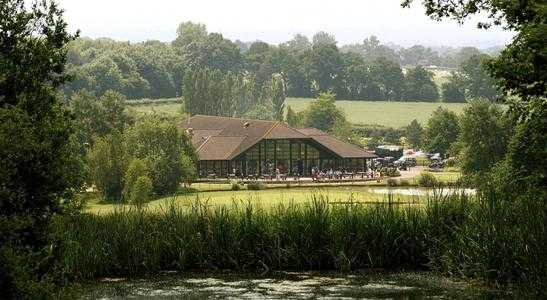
x=364, y=71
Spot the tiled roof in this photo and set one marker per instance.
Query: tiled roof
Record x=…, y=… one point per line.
x=219, y=147
x=224, y=138
x=341, y=148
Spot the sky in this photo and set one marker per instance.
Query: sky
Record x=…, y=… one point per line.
x=275, y=21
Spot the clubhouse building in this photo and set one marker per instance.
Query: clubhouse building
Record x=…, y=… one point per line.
x=256, y=148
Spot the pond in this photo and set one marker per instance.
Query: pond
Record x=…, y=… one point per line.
x=289, y=285
x=422, y=191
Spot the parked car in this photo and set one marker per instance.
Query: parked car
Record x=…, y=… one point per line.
x=435, y=165
x=404, y=163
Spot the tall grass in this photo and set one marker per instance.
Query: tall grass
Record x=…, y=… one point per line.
x=453, y=234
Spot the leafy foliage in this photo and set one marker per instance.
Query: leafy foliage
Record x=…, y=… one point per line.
x=137, y=168
x=454, y=89
x=441, y=132
x=365, y=71
x=414, y=134
x=483, y=138
x=211, y=92
x=322, y=113
x=141, y=190
x=476, y=80
x=162, y=146
x=419, y=86
x=107, y=163
x=39, y=167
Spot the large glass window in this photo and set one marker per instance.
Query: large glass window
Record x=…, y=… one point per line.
x=312, y=152
x=252, y=154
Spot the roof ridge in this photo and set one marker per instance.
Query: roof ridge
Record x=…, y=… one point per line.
x=205, y=142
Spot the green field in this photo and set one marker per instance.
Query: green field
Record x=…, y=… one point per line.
x=221, y=194
x=162, y=108
x=391, y=114
x=271, y=197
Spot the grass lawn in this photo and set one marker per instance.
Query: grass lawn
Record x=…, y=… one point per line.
x=269, y=198
x=161, y=108
x=391, y=114
x=221, y=194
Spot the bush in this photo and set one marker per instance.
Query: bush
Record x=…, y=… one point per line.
x=137, y=168
x=427, y=179
x=391, y=182
x=141, y=190
x=235, y=186
x=255, y=186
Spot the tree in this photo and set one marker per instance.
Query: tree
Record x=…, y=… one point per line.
x=323, y=38
x=162, y=146
x=372, y=50
x=213, y=52
x=324, y=66
x=520, y=66
x=388, y=77
x=141, y=190
x=136, y=169
x=464, y=54
x=259, y=61
x=476, y=80
x=107, y=163
x=234, y=95
x=98, y=116
x=40, y=169
x=414, y=134
x=189, y=32
x=299, y=44
x=483, y=137
x=188, y=167
x=419, y=85
x=516, y=187
x=356, y=76
x=454, y=89
x=294, y=119
x=441, y=132
x=322, y=113
x=419, y=56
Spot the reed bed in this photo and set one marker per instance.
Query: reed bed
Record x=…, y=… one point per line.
x=452, y=233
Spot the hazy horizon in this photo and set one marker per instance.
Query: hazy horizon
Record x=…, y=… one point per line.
x=350, y=21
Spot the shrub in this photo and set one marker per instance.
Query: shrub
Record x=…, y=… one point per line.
x=137, y=168
x=235, y=186
x=141, y=190
x=427, y=179
x=255, y=186
x=451, y=162
x=392, y=182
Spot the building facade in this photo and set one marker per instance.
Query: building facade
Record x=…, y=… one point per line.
x=243, y=148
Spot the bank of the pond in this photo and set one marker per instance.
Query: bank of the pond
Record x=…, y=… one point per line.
x=470, y=235
x=294, y=285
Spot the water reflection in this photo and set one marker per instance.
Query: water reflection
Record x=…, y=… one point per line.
x=422, y=191
x=288, y=285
